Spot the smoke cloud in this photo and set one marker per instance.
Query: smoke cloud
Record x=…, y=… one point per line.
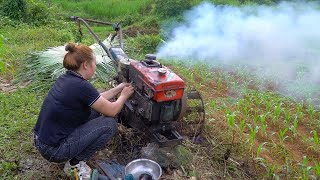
x=282, y=41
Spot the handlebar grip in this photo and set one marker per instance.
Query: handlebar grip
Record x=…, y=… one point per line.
x=73, y=17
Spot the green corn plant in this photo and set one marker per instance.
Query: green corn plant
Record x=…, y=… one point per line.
x=315, y=139
x=213, y=104
x=300, y=115
x=316, y=168
x=240, y=104
x=293, y=128
x=311, y=110
x=257, y=99
x=282, y=136
x=230, y=120
x=208, y=75
x=253, y=132
x=265, y=97
x=249, y=98
x=256, y=119
x=299, y=110
x=269, y=104
x=276, y=113
x=276, y=100
x=305, y=168
x=276, y=176
x=241, y=127
x=288, y=163
x=271, y=172
x=260, y=149
x=245, y=110
x=287, y=116
x=300, y=107
x=262, y=161
x=263, y=123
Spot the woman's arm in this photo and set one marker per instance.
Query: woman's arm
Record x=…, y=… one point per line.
x=108, y=108
x=114, y=91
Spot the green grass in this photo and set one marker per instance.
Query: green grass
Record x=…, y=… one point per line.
x=2, y=64
x=102, y=9
x=18, y=112
x=27, y=39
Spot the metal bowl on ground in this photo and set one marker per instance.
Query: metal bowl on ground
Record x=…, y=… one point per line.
x=144, y=169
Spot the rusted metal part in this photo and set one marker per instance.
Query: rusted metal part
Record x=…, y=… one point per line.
x=116, y=26
x=77, y=19
x=98, y=22
x=195, y=95
x=162, y=133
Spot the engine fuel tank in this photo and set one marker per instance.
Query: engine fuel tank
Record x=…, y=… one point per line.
x=156, y=81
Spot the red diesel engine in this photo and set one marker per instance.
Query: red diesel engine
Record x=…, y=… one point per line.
x=157, y=101
x=161, y=89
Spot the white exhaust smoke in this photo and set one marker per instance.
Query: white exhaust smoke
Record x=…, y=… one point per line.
x=283, y=40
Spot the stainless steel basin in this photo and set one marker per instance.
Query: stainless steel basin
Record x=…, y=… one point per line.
x=146, y=168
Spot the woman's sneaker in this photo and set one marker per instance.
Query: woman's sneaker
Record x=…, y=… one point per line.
x=82, y=169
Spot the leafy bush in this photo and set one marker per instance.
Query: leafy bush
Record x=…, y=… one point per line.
x=148, y=43
x=14, y=9
x=37, y=13
x=169, y=8
x=5, y=21
x=29, y=11
x=142, y=44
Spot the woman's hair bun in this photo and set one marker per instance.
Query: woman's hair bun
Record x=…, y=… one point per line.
x=70, y=47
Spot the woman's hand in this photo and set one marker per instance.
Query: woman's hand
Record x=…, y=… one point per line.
x=122, y=85
x=113, y=108
x=127, y=91
x=114, y=91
